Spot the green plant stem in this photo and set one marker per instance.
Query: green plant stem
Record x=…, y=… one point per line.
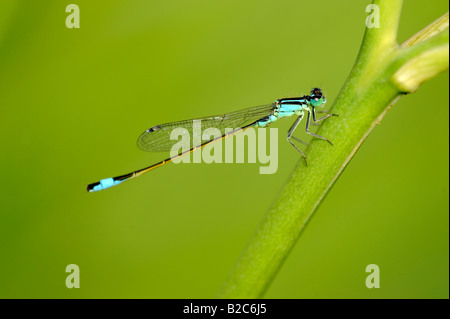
x=370, y=90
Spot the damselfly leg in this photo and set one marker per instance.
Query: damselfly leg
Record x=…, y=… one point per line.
x=289, y=135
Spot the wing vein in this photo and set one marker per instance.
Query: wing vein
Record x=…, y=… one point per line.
x=157, y=138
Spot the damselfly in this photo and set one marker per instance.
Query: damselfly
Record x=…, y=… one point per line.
x=157, y=138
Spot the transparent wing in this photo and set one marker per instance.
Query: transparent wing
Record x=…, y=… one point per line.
x=157, y=138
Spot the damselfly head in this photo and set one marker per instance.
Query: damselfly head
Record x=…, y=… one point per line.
x=316, y=97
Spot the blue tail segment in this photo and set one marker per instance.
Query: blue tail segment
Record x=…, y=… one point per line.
x=108, y=182
x=103, y=184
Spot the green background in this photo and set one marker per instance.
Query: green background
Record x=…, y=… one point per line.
x=74, y=101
